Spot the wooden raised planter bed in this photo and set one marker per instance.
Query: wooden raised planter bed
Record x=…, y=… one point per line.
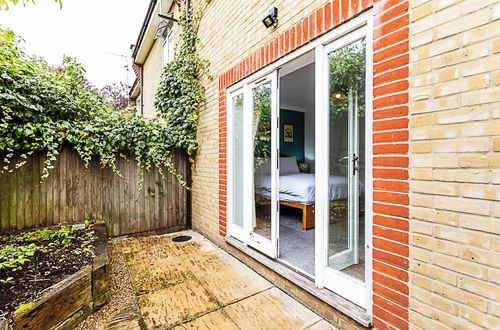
x=67, y=303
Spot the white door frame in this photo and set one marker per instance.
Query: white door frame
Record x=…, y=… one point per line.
x=233, y=230
x=352, y=289
x=363, y=21
x=269, y=247
x=348, y=287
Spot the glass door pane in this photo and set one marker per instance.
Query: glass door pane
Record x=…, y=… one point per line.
x=237, y=161
x=346, y=160
x=262, y=220
x=261, y=136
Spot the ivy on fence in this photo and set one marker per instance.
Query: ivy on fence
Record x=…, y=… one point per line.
x=43, y=107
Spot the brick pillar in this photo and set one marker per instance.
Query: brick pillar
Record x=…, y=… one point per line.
x=390, y=164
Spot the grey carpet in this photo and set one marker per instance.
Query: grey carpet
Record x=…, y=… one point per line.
x=296, y=244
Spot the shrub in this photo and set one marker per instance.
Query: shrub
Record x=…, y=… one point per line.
x=43, y=107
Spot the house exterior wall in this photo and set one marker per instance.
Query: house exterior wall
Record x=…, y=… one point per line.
x=240, y=45
x=455, y=164
x=436, y=143
x=153, y=68
x=226, y=43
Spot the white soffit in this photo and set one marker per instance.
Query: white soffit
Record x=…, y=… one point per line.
x=161, y=7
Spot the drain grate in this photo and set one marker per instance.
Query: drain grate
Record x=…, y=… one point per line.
x=183, y=238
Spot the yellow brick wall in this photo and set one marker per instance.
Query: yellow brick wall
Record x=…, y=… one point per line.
x=455, y=164
x=229, y=32
x=153, y=67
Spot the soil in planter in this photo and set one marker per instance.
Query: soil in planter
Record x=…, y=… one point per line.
x=33, y=261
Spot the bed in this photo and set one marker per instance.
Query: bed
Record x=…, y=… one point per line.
x=298, y=190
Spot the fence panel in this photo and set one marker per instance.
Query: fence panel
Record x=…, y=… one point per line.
x=73, y=193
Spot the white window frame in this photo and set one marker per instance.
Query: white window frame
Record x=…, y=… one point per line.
x=363, y=21
x=138, y=102
x=168, y=46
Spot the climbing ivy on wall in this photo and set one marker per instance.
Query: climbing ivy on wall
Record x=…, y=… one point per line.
x=181, y=93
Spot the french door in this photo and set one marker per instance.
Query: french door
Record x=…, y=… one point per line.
x=342, y=255
x=340, y=178
x=253, y=172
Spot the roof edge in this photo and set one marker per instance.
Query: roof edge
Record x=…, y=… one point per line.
x=144, y=26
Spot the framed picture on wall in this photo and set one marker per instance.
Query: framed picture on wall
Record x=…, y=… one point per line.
x=288, y=133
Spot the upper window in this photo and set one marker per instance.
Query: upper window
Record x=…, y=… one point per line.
x=139, y=109
x=165, y=32
x=168, y=47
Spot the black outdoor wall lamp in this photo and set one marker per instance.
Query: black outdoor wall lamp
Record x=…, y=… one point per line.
x=271, y=19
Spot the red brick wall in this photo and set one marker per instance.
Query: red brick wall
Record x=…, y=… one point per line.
x=390, y=164
x=390, y=138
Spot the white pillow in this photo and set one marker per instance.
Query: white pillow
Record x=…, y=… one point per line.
x=288, y=165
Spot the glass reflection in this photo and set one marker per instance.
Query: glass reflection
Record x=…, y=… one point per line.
x=346, y=251
x=237, y=107
x=261, y=130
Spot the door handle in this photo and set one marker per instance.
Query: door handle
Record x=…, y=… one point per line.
x=354, y=165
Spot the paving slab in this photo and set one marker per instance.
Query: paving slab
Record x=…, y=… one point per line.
x=213, y=320
x=175, y=304
x=271, y=309
x=232, y=282
x=321, y=325
x=155, y=274
x=197, y=285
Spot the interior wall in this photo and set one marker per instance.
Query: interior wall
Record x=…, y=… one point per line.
x=297, y=94
x=295, y=148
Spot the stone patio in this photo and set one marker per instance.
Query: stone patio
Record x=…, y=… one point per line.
x=196, y=285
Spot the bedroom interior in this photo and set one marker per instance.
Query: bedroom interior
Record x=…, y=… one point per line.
x=297, y=182
x=296, y=145
x=296, y=193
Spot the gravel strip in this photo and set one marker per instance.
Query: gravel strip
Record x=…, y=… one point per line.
x=121, y=294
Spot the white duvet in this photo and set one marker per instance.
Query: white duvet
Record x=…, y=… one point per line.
x=300, y=187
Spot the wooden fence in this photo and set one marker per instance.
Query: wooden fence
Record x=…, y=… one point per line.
x=73, y=193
